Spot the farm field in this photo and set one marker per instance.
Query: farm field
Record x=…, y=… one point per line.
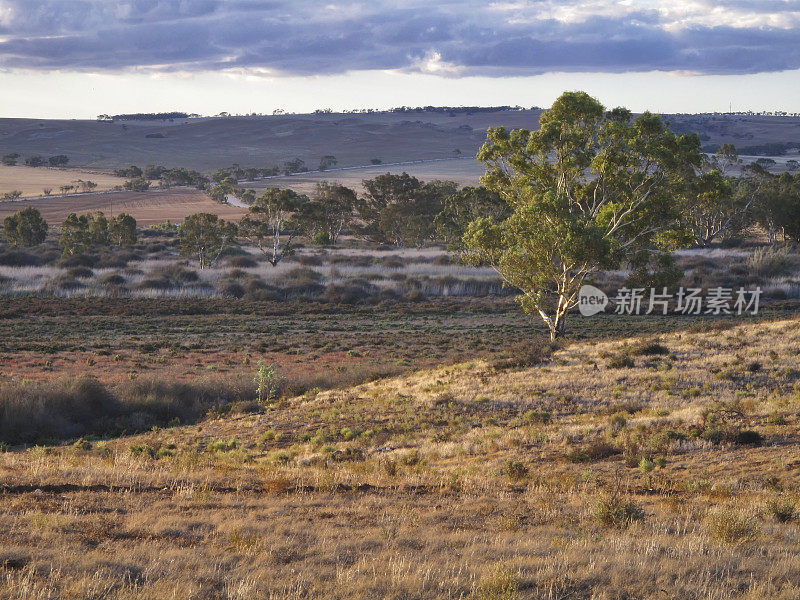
x=464, y=171
x=148, y=208
x=33, y=181
x=475, y=479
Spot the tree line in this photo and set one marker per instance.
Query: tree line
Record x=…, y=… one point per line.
x=12, y=158
x=79, y=233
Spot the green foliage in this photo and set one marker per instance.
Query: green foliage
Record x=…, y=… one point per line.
x=267, y=382
x=80, y=233
x=25, y=228
x=138, y=184
x=328, y=213
x=10, y=159
x=401, y=210
x=515, y=470
x=615, y=511
x=462, y=208
x=502, y=583
x=782, y=510
x=204, y=236
x=122, y=230
x=732, y=527
x=586, y=191
x=266, y=224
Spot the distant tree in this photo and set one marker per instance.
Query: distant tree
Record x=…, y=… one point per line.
x=140, y=184
x=327, y=161
x=726, y=157
x=153, y=172
x=295, y=165
x=25, y=228
x=375, y=161
x=328, y=213
x=10, y=159
x=122, y=230
x=75, y=237
x=86, y=186
x=204, y=236
x=181, y=176
x=777, y=202
x=47, y=191
x=709, y=210
x=270, y=217
x=98, y=229
x=59, y=160
x=66, y=188
x=12, y=195
x=131, y=172
x=462, y=208
x=400, y=209
x=34, y=161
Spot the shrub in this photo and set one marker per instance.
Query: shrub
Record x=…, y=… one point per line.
x=783, y=510
x=232, y=289
x=515, y=470
x=525, y=353
x=621, y=361
x=748, y=437
x=80, y=273
x=310, y=260
x=500, y=584
x=78, y=260
x=19, y=259
x=155, y=283
x=769, y=261
x=112, y=279
x=349, y=292
x=615, y=511
x=645, y=348
x=242, y=262
x=82, y=406
x=732, y=527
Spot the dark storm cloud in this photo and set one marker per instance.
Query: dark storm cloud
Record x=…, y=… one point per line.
x=448, y=38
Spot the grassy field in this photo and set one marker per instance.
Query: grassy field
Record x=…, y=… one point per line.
x=33, y=181
x=658, y=466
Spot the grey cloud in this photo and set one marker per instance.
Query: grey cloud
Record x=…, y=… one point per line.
x=308, y=38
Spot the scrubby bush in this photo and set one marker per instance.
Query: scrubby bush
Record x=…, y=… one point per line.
x=242, y=262
x=782, y=510
x=81, y=406
x=16, y=258
x=615, y=511
x=731, y=526
x=350, y=292
x=80, y=273
x=230, y=288
x=515, y=470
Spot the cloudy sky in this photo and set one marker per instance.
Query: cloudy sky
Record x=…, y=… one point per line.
x=79, y=58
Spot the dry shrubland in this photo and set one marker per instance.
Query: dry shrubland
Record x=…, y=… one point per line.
x=673, y=474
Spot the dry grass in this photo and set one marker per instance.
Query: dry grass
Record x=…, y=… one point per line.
x=32, y=181
x=448, y=483
x=148, y=208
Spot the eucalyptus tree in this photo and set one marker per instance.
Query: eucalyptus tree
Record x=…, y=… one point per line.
x=269, y=224
x=587, y=191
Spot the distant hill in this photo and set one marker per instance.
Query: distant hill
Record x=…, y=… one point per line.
x=353, y=138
